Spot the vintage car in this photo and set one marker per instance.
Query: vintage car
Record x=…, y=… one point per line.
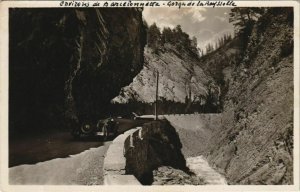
x=105, y=128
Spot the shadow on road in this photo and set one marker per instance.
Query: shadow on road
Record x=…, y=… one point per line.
x=39, y=148
x=34, y=148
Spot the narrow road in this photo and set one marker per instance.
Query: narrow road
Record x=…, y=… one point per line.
x=55, y=158
x=31, y=149
x=85, y=168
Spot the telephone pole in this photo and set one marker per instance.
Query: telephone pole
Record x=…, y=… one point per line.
x=156, y=95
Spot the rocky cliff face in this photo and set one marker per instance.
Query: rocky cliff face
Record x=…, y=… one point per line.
x=255, y=145
x=67, y=64
x=181, y=79
x=218, y=64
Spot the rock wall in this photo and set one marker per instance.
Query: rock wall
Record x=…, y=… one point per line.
x=67, y=64
x=255, y=144
x=218, y=64
x=180, y=77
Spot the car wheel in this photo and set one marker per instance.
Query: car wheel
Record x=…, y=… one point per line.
x=86, y=129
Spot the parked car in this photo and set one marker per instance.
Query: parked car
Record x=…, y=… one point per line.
x=105, y=127
x=108, y=128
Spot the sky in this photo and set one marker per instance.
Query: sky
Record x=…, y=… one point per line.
x=206, y=24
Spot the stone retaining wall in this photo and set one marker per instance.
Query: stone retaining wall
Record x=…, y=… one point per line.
x=115, y=162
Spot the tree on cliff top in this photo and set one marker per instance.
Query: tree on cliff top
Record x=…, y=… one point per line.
x=243, y=18
x=209, y=48
x=176, y=37
x=153, y=36
x=167, y=35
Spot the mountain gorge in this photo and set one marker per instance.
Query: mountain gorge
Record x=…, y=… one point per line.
x=253, y=79
x=72, y=66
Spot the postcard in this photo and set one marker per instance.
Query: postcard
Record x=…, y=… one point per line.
x=149, y=95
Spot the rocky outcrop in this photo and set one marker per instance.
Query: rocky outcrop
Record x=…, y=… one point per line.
x=181, y=79
x=255, y=144
x=134, y=155
x=155, y=144
x=67, y=64
x=166, y=175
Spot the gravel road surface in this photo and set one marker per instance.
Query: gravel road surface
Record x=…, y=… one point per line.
x=81, y=169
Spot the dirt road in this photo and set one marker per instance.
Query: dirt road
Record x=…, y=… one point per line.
x=56, y=158
x=81, y=169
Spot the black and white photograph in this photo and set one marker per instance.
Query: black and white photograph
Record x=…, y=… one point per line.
x=152, y=96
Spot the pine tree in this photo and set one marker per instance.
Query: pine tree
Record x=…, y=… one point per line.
x=194, y=42
x=167, y=35
x=209, y=48
x=153, y=36
x=242, y=18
